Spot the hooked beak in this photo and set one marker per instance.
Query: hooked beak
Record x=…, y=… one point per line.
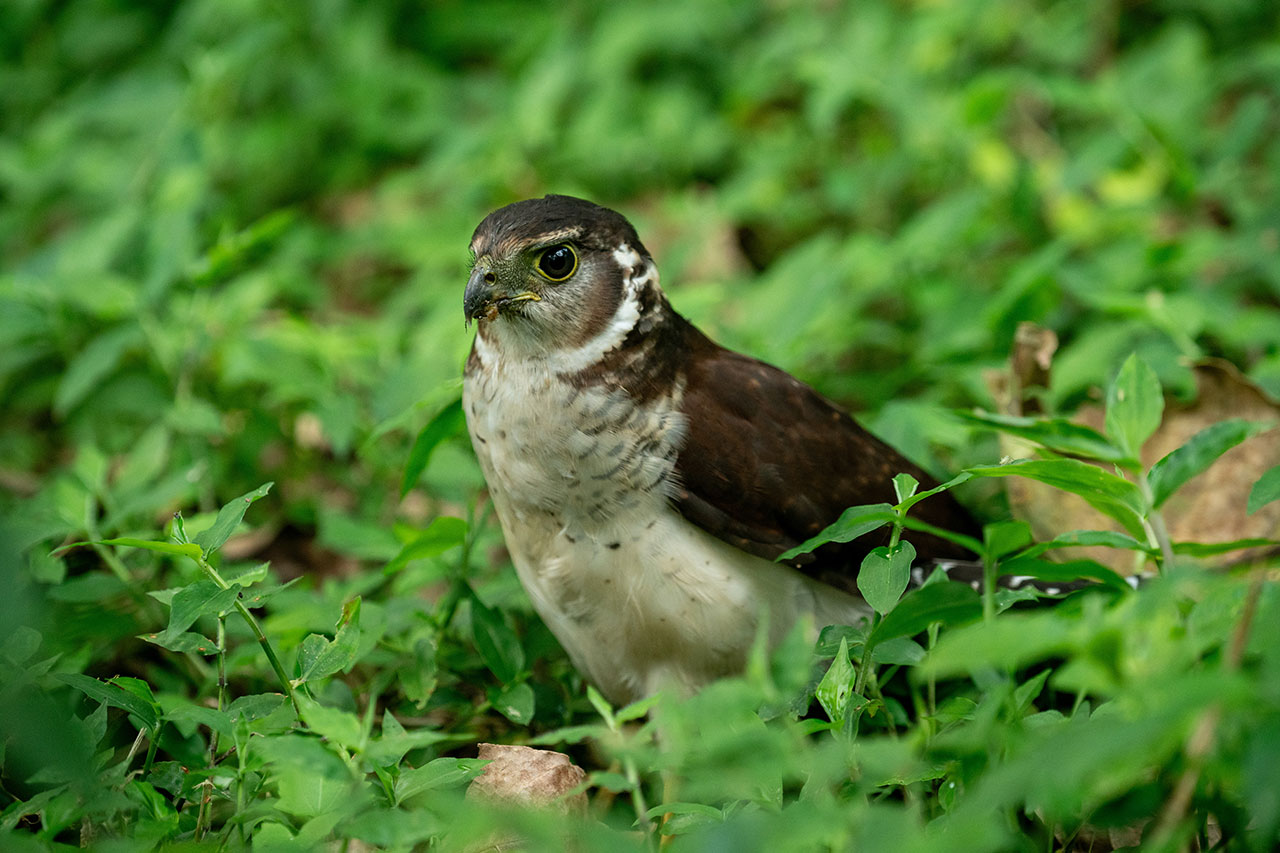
x=484, y=298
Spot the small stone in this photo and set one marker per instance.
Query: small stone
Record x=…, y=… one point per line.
x=522, y=775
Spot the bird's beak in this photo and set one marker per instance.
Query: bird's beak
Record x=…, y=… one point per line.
x=484, y=297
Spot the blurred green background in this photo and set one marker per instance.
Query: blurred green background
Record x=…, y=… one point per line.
x=234, y=233
x=233, y=243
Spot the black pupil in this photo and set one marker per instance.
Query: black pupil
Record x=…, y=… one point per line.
x=557, y=262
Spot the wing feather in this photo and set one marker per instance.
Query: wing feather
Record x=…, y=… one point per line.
x=768, y=462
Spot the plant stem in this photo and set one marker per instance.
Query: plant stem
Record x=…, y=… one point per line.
x=258, y=633
x=1155, y=522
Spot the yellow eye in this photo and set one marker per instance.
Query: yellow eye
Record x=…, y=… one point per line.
x=557, y=263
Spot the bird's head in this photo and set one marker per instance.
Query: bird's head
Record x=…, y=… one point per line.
x=551, y=272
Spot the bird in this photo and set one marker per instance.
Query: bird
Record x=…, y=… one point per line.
x=646, y=479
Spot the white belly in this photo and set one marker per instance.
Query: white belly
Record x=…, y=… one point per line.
x=639, y=597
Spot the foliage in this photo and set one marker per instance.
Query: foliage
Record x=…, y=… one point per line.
x=234, y=238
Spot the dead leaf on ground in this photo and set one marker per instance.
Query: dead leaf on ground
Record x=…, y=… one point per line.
x=1209, y=508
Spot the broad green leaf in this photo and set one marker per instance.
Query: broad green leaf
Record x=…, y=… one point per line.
x=114, y=695
x=1135, y=404
x=395, y=741
x=193, y=601
x=307, y=794
x=1065, y=572
x=193, y=715
x=136, y=686
x=333, y=724
x=945, y=603
x=1108, y=493
x=440, y=773
x=1013, y=640
x=229, y=517
x=852, y=523
x=1204, y=448
x=395, y=829
x=1058, y=434
x=515, y=702
x=255, y=706
x=836, y=687
x=1266, y=490
x=898, y=650
x=448, y=422
x=498, y=645
x=323, y=657
x=1004, y=537
x=442, y=533
x=884, y=575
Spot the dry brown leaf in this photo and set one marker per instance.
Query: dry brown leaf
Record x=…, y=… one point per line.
x=1209, y=508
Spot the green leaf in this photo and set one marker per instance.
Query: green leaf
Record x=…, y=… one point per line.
x=946, y=603
x=1058, y=434
x=1004, y=537
x=884, y=575
x=440, y=773
x=498, y=645
x=515, y=703
x=395, y=741
x=637, y=709
x=904, y=486
x=322, y=657
x=396, y=829
x=1087, y=538
x=836, y=687
x=852, y=523
x=898, y=650
x=1204, y=448
x=1065, y=572
x=908, y=503
x=193, y=551
x=1108, y=493
x=229, y=517
x=1013, y=640
x=442, y=533
x=1135, y=404
x=1266, y=490
x=115, y=695
x=1213, y=549
x=448, y=422
x=335, y=725
x=210, y=718
x=193, y=601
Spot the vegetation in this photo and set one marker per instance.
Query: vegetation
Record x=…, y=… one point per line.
x=234, y=240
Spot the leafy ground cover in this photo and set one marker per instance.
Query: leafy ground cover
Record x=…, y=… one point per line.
x=234, y=240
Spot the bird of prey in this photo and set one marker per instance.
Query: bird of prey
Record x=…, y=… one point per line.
x=646, y=478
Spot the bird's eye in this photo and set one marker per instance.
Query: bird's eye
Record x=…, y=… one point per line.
x=558, y=262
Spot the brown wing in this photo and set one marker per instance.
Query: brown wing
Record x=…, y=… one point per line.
x=769, y=462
